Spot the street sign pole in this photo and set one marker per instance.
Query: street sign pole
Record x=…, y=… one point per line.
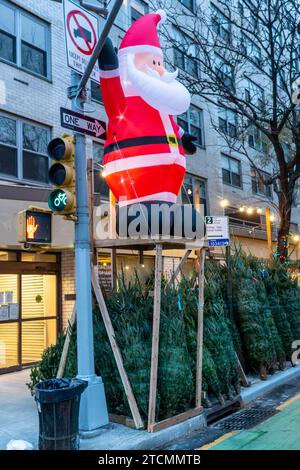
x=93, y=408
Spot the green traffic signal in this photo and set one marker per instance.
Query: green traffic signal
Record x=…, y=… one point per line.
x=58, y=200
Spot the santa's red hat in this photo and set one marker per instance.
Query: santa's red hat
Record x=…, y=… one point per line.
x=142, y=36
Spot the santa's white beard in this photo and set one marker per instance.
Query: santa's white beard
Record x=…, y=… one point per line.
x=163, y=93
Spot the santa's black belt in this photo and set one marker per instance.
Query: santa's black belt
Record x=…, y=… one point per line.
x=137, y=141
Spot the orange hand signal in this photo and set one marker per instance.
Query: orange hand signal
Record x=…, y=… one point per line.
x=31, y=227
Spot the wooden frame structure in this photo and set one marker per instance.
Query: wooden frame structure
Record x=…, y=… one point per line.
x=158, y=245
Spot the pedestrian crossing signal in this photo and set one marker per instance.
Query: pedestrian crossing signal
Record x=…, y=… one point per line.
x=62, y=200
x=35, y=226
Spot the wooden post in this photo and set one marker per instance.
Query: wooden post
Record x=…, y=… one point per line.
x=113, y=266
x=200, y=328
x=269, y=232
x=116, y=351
x=113, y=234
x=64, y=354
x=155, y=338
x=179, y=267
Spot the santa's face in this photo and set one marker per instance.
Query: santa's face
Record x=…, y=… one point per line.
x=144, y=75
x=145, y=61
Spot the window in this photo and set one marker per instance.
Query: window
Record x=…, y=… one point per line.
x=96, y=92
x=24, y=40
x=100, y=185
x=254, y=94
x=7, y=33
x=23, y=150
x=192, y=122
x=250, y=49
x=190, y=4
x=220, y=24
x=191, y=186
x=224, y=71
x=258, y=185
x=138, y=9
x=228, y=122
x=257, y=140
x=231, y=171
x=185, y=53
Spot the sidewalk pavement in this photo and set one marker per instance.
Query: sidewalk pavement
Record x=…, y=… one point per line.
x=19, y=418
x=281, y=432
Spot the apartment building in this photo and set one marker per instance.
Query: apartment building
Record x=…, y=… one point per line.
x=37, y=287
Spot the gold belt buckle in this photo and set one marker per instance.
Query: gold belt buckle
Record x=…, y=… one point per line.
x=172, y=140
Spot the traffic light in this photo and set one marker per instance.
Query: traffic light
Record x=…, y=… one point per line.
x=62, y=200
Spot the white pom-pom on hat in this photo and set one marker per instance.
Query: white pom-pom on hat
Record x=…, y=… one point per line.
x=162, y=14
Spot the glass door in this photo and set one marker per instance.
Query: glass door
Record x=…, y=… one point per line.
x=39, y=315
x=9, y=321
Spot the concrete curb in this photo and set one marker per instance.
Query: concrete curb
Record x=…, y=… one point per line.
x=117, y=436
x=263, y=387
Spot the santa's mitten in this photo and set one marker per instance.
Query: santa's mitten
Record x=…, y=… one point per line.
x=108, y=59
x=187, y=142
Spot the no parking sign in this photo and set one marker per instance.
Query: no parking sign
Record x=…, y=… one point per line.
x=81, y=29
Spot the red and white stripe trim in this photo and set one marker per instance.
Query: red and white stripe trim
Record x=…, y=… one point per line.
x=143, y=161
x=141, y=48
x=109, y=73
x=163, y=197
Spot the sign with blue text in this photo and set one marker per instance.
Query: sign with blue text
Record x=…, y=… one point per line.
x=84, y=124
x=217, y=230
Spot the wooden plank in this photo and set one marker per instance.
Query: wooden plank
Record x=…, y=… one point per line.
x=149, y=244
x=179, y=267
x=200, y=328
x=243, y=377
x=166, y=423
x=121, y=419
x=112, y=216
x=155, y=338
x=64, y=354
x=116, y=351
x=113, y=264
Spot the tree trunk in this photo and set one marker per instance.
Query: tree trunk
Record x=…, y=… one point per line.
x=285, y=209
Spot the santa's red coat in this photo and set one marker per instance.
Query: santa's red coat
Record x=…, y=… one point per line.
x=144, y=158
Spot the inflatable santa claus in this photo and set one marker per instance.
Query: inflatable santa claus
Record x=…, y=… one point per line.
x=144, y=155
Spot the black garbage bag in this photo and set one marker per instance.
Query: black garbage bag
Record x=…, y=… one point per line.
x=58, y=403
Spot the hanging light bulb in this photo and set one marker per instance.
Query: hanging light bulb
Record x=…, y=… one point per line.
x=259, y=211
x=242, y=209
x=189, y=191
x=296, y=238
x=250, y=210
x=272, y=218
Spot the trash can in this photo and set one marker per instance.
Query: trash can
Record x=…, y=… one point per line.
x=58, y=403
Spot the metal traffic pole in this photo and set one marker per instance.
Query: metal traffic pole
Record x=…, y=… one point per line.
x=93, y=409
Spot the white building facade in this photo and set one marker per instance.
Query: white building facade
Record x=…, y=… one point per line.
x=37, y=288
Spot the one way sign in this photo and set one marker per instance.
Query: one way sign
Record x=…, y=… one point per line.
x=83, y=124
